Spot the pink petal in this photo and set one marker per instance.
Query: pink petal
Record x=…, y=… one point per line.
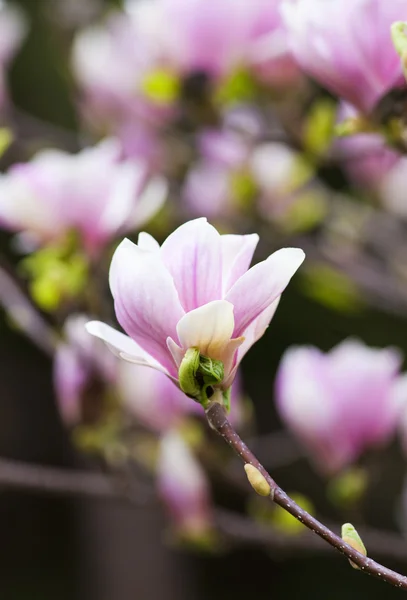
x=261, y=286
x=146, y=301
x=237, y=254
x=192, y=254
x=122, y=345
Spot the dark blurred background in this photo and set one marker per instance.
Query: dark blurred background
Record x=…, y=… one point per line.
x=93, y=549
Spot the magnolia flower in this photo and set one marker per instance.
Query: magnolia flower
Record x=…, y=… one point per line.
x=183, y=486
x=91, y=192
x=340, y=403
x=193, y=292
x=83, y=370
x=208, y=189
x=366, y=157
x=346, y=45
x=154, y=401
x=129, y=67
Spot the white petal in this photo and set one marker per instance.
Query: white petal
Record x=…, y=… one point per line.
x=209, y=328
x=122, y=345
x=146, y=241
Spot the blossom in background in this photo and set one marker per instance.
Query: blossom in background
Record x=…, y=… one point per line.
x=12, y=31
x=83, y=371
x=346, y=45
x=92, y=192
x=209, y=188
x=218, y=37
x=155, y=402
x=129, y=68
x=342, y=402
x=365, y=157
x=183, y=486
x=195, y=291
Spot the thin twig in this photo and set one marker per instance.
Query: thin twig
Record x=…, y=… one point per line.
x=244, y=531
x=57, y=481
x=218, y=420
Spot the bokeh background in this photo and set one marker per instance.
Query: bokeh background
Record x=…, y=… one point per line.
x=98, y=549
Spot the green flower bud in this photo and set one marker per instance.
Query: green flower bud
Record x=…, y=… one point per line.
x=351, y=537
x=198, y=375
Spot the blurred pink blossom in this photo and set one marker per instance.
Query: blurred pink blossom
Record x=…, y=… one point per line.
x=340, y=403
x=82, y=371
x=183, y=486
x=366, y=157
x=92, y=192
x=113, y=61
x=208, y=189
x=346, y=45
x=193, y=291
x=218, y=37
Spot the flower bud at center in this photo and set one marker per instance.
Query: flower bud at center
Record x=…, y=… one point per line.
x=199, y=375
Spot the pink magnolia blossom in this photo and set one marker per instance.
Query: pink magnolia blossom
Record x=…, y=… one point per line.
x=340, y=403
x=217, y=37
x=346, y=45
x=110, y=62
x=153, y=399
x=183, y=486
x=113, y=61
x=81, y=367
x=208, y=189
x=366, y=157
x=92, y=192
x=195, y=291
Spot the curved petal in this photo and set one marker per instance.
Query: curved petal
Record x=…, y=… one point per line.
x=252, y=333
x=146, y=241
x=192, y=254
x=146, y=301
x=261, y=285
x=150, y=201
x=123, y=346
x=123, y=197
x=237, y=254
x=210, y=329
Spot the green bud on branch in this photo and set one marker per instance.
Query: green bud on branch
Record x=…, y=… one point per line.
x=351, y=537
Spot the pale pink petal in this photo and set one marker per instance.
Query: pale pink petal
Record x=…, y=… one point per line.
x=237, y=254
x=150, y=201
x=261, y=286
x=123, y=196
x=192, y=254
x=146, y=241
x=208, y=328
x=146, y=301
x=253, y=333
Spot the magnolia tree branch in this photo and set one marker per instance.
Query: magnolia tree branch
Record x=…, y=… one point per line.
x=218, y=420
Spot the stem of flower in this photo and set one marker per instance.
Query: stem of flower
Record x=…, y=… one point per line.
x=218, y=420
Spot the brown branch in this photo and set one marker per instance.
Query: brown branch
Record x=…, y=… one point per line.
x=218, y=421
x=57, y=481
x=241, y=530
